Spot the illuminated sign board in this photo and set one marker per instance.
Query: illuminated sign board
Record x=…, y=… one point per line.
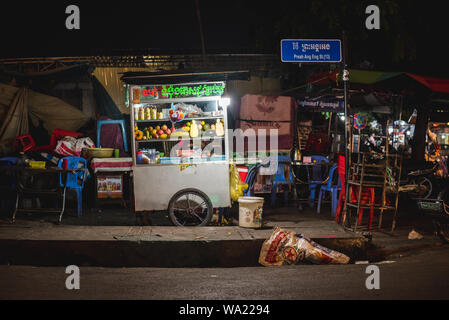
x=176, y=91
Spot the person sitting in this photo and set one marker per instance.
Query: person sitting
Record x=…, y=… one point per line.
x=317, y=142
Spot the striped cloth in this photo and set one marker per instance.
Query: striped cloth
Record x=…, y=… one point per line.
x=111, y=164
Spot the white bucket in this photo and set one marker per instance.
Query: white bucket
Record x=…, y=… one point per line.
x=250, y=212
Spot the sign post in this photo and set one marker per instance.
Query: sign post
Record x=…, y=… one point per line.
x=345, y=78
x=311, y=50
x=321, y=51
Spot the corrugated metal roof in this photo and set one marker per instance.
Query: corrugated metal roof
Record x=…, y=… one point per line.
x=183, y=76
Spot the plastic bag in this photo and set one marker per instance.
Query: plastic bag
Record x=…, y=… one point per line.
x=285, y=247
x=83, y=143
x=66, y=146
x=236, y=185
x=189, y=110
x=70, y=146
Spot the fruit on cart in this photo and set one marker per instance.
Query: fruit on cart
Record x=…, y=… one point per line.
x=188, y=124
x=159, y=132
x=203, y=123
x=164, y=136
x=212, y=127
x=186, y=128
x=200, y=127
x=168, y=131
x=156, y=136
x=158, y=128
x=194, y=130
x=139, y=135
x=164, y=127
x=206, y=127
x=150, y=129
x=219, y=128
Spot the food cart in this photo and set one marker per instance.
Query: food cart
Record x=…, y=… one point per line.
x=180, y=149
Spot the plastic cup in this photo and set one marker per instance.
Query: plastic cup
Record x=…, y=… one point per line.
x=65, y=164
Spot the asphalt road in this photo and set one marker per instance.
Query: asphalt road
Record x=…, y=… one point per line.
x=423, y=275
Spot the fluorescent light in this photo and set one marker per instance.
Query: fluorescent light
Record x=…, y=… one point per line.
x=224, y=102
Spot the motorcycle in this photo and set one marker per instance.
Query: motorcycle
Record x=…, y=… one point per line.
x=420, y=183
x=430, y=189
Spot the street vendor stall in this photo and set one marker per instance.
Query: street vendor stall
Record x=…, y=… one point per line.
x=180, y=148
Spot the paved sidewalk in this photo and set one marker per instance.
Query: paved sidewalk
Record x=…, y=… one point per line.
x=35, y=230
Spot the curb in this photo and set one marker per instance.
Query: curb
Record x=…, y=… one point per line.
x=376, y=252
x=162, y=254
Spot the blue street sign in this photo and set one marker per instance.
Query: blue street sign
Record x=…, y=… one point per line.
x=309, y=50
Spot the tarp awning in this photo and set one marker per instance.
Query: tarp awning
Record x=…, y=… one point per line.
x=434, y=84
x=369, y=77
x=17, y=105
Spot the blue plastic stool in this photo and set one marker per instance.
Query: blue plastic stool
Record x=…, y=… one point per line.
x=279, y=178
x=122, y=125
x=333, y=189
x=75, y=181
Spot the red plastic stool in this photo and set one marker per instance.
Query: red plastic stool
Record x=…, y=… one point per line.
x=24, y=143
x=367, y=194
x=367, y=198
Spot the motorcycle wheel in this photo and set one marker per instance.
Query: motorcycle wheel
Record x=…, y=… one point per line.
x=425, y=188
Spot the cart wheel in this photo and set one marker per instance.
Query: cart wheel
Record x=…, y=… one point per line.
x=190, y=207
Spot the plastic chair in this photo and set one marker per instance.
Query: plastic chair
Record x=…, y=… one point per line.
x=279, y=178
x=24, y=143
x=75, y=181
x=332, y=188
x=122, y=125
x=316, y=179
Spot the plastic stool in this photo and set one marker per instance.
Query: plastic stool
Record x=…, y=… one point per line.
x=122, y=125
x=24, y=143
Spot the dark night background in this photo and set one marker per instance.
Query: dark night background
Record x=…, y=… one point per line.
x=413, y=36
